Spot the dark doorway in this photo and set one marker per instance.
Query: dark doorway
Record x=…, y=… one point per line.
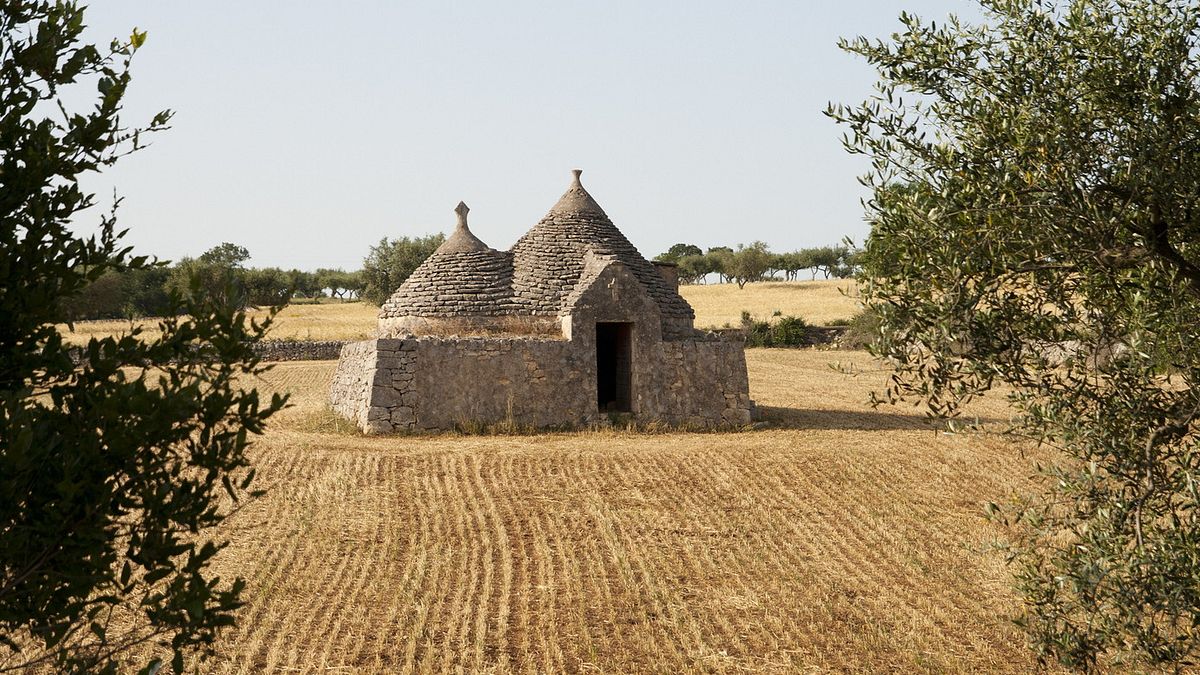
x=614, y=354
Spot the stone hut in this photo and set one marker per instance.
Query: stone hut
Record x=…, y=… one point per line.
x=568, y=327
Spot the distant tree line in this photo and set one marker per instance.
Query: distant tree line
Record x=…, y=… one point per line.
x=219, y=273
x=755, y=262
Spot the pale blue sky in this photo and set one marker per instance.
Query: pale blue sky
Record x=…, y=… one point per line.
x=308, y=131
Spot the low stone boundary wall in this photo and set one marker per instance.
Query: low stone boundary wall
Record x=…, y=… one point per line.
x=273, y=350
x=300, y=350
x=329, y=350
x=825, y=335
x=813, y=335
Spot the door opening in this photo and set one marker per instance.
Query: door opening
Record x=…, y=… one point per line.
x=614, y=356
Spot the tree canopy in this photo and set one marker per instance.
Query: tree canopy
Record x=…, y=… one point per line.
x=748, y=263
x=677, y=252
x=1036, y=188
x=115, y=461
x=390, y=262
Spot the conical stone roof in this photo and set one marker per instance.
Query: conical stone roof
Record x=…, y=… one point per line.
x=548, y=260
x=463, y=277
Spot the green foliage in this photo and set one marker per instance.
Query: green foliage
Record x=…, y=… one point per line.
x=145, y=292
x=267, y=286
x=679, y=251
x=829, y=261
x=755, y=262
x=862, y=330
x=719, y=259
x=104, y=298
x=220, y=274
x=112, y=470
x=225, y=256
x=217, y=274
x=121, y=294
x=788, y=331
x=694, y=268
x=1036, y=183
x=303, y=284
x=390, y=262
x=341, y=284
x=747, y=263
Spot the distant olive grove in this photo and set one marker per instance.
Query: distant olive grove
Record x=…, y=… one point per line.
x=755, y=262
x=219, y=272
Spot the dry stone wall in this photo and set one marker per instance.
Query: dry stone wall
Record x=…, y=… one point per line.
x=466, y=283
x=299, y=350
x=431, y=383
x=703, y=383
x=528, y=382
x=350, y=391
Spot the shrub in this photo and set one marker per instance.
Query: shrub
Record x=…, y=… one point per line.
x=861, y=331
x=789, y=331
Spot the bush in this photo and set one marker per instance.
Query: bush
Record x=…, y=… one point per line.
x=121, y=294
x=789, y=331
x=861, y=331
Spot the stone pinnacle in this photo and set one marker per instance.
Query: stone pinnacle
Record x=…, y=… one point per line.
x=462, y=210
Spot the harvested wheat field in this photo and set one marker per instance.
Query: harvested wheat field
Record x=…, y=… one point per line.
x=817, y=302
x=325, y=321
x=841, y=539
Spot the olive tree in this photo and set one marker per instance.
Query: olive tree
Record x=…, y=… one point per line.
x=219, y=272
x=748, y=263
x=390, y=262
x=677, y=252
x=1036, y=224
x=116, y=460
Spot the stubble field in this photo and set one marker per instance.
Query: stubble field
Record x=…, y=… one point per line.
x=839, y=539
x=836, y=538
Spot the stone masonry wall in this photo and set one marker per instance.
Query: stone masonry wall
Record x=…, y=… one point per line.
x=530, y=382
x=299, y=350
x=703, y=383
x=440, y=383
x=350, y=391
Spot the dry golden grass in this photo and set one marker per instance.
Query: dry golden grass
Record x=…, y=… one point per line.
x=817, y=302
x=333, y=321
x=841, y=539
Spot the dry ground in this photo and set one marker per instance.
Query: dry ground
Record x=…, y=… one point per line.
x=818, y=302
x=842, y=539
x=333, y=321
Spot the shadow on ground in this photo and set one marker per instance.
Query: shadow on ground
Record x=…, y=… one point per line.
x=850, y=420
